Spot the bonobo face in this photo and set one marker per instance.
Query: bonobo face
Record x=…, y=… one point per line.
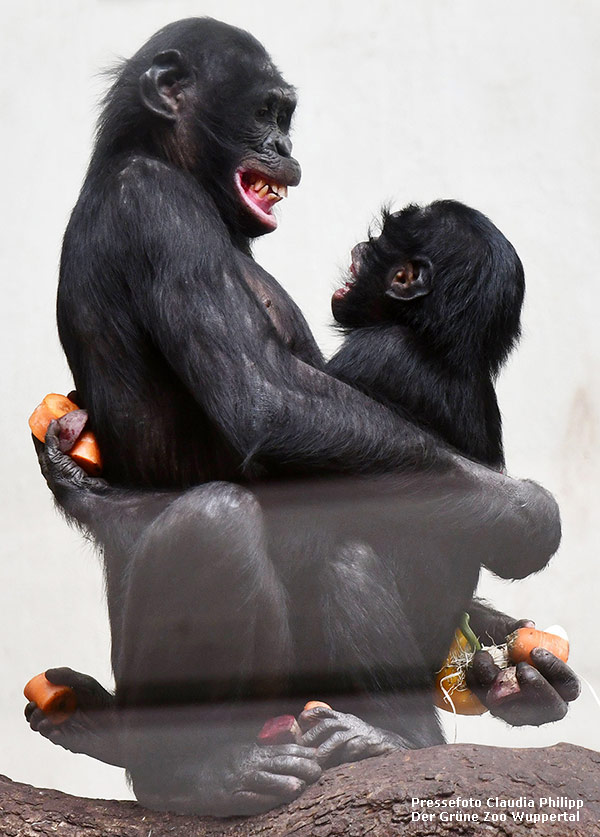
x=222, y=111
x=267, y=167
x=383, y=269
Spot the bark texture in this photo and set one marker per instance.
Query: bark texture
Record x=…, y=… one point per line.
x=373, y=797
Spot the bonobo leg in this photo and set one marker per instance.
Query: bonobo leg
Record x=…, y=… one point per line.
x=381, y=674
x=205, y=624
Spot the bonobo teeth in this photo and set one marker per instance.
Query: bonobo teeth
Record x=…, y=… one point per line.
x=271, y=191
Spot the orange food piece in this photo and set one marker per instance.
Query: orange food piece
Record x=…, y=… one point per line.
x=85, y=451
x=58, y=702
x=452, y=677
x=521, y=643
x=312, y=704
x=54, y=406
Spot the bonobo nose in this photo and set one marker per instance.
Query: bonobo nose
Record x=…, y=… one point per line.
x=284, y=146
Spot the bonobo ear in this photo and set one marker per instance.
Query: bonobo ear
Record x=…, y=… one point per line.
x=412, y=280
x=162, y=84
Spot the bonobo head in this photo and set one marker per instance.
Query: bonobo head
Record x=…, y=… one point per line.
x=445, y=272
x=206, y=97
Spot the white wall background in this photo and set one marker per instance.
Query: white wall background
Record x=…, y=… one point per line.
x=496, y=104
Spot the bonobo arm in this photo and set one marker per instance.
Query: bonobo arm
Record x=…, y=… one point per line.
x=546, y=690
x=219, y=341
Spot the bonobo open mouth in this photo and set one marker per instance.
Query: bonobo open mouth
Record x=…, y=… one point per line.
x=259, y=195
x=357, y=256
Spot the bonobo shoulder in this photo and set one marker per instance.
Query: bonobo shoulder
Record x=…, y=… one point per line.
x=142, y=175
x=145, y=187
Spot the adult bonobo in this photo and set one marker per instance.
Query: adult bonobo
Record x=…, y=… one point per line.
x=196, y=367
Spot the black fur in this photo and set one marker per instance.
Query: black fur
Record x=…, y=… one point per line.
x=197, y=369
x=434, y=358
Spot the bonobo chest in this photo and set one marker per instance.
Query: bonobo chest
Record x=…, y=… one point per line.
x=277, y=305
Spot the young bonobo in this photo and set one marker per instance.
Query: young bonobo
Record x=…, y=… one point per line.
x=431, y=311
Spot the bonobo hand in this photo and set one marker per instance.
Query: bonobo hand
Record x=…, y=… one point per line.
x=61, y=472
x=238, y=781
x=545, y=690
x=341, y=738
x=92, y=729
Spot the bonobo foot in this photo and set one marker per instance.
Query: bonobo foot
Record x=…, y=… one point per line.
x=341, y=738
x=93, y=728
x=239, y=781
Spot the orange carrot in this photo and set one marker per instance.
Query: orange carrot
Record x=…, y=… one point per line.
x=521, y=643
x=312, y=704
x=86, y=453
x=58, y=702
x=451, y=690
x=54, y=406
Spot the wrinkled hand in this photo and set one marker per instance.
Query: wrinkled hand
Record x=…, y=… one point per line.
x=545, y=691
x=60, y=471
x=236, y=781
x=341, y=738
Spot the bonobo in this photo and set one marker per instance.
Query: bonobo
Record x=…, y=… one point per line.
x=198, y=370
x=431, y=310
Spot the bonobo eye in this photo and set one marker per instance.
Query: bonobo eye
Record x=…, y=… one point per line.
x=262, y=112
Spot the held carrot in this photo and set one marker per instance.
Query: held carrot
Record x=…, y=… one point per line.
x=58, y=702
x=521, y=643
x=86, y=454
x=451, y=691
x=85, y=450
x=313, y=704
x=54, y=406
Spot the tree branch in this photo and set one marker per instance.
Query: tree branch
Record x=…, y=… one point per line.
x=374, y=797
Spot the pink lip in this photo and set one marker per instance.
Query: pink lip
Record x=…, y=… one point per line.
x=261, y=208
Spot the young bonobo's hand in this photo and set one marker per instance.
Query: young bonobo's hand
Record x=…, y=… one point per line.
x=545, y=691
x=92, y=729
x=60, y=471
x=341, y=738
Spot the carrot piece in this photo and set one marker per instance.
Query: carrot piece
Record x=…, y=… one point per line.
x=451, y=688
x=521, y=643
x=312, y=704
x=86, y=453
x=58, y=702
x=54, y=406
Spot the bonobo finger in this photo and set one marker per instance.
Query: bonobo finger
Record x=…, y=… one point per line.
x=557, y=673
x=322, y=731
x=538, y=692
x=327, y=750
x=481, y=674
x=272, y=750
x=90, y=694
x=34, y=715
x=285, y=788
x=303, y=768
x=309, y=717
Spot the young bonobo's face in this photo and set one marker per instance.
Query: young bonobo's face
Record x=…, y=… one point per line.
x=444, y=271
x=385, y=271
